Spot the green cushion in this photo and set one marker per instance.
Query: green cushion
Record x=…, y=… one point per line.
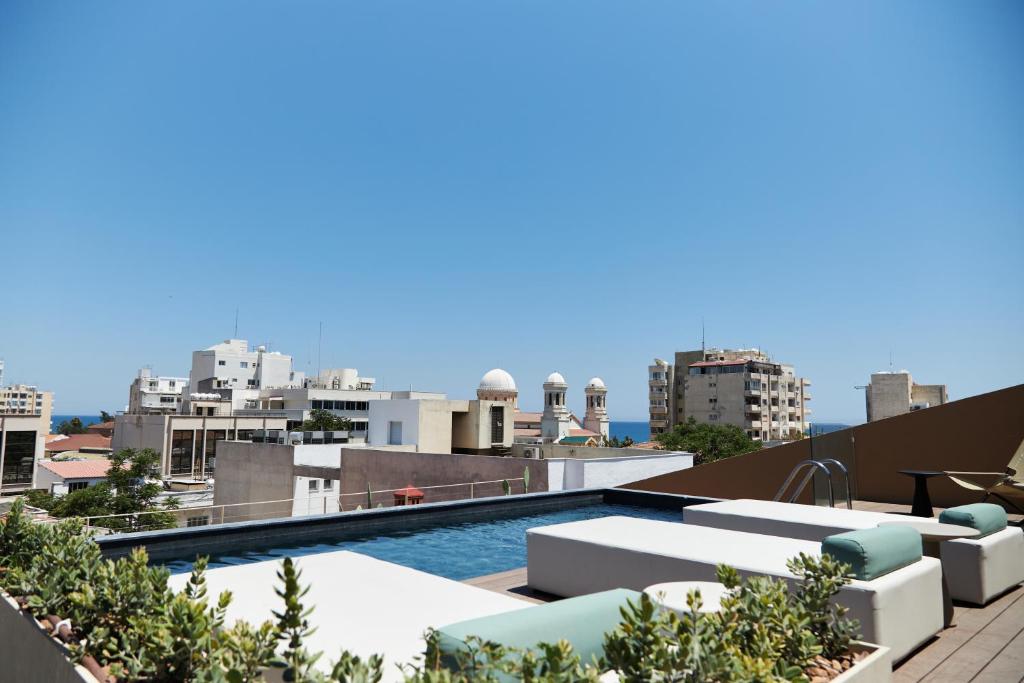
x=985, y=517
x=875, y=552
x=582, y=621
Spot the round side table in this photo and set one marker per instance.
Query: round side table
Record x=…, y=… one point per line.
x=932, y=536
x=672, y=595
x=922, y=504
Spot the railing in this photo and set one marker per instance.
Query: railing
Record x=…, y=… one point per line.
x=810, y=466
x=315, y=504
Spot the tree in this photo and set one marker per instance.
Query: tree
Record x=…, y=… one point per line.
x=326, y=421
x=709, y=442
x=128, y=490
x=615, y=442
x=72, y=426
x=106, y=417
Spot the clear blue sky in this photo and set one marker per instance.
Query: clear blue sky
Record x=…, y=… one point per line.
x=572, y=186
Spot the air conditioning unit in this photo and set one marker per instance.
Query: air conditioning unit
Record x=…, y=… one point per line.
x=295, y=438
x=919, y=406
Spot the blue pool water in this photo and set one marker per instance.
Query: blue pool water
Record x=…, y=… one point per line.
x=459, y=551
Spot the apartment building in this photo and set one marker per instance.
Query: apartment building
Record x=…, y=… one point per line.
x=660, y=385
x=23, y=399
x=895, y=393
x=231, y=365
x=150, y=395
x=740, y=387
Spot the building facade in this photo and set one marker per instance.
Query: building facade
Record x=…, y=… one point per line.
x=659, y=387
x=151, y=395
x=741, y=387
x=22, y=439
x=894, y=393
x=23, y=399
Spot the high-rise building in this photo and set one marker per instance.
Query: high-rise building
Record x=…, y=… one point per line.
x=895, y=393
x=741, y=387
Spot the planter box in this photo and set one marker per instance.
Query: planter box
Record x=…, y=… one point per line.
x=875, y=668
x=30, y=653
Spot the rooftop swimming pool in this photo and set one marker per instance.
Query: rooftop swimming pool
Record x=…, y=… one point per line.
x=460, y=550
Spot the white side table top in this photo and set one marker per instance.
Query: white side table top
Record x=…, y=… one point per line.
x=936, y=531
x=673, y=595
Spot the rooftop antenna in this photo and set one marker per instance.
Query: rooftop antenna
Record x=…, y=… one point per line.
x=236, y=323
x=702, y=345
x=319, y=347
x=890, y=361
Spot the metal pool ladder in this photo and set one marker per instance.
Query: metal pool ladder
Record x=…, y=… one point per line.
x=810, y=466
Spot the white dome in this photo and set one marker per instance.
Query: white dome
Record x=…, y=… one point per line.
x=498, y=380
x=596, y=382
x=555, y=378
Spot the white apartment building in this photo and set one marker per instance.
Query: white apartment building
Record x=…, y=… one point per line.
x=151, y=395
x=895, y=393
x=231, y=365
x=741, y=387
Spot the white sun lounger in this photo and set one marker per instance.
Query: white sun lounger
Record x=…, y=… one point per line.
x=902, y=609
x=977, y=570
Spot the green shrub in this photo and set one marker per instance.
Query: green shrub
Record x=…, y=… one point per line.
x=125, y=616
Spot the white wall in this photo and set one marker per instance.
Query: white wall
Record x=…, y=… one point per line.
x=574, y=473
x=306, y=502
x=382, y=413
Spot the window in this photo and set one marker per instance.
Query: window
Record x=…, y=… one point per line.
x=314, y=485
x=199, y=520
x=222, y=362
x=168, y=399
x=212, y=437
x=395, y=433
x=316, y=405
x=77, y=485
x=182, y=441
x=328, y=485
x=19, y=457
x=253, y=383
x=243, y=364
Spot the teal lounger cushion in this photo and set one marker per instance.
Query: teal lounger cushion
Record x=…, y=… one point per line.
x=875, y=552
x=582, y=621
x=985, y=517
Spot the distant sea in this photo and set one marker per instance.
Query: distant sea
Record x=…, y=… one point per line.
x=86, y=419
x=638, y=431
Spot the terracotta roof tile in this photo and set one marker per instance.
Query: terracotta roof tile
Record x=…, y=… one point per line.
x=78, y=441
x=78, y=469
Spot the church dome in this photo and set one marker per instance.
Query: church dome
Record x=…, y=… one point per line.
x=497, y=380
x=596, y=383
x=555, y=378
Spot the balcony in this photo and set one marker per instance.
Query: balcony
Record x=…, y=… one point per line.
x=662, y=395
x=752, y=392
x=807, y=396
x=752, y=408
x=752, y=424
x=658, y=410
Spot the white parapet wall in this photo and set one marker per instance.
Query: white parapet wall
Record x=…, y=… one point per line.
x=576, y=473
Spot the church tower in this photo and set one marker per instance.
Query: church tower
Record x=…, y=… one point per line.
x=554, y=424
x=596, y=419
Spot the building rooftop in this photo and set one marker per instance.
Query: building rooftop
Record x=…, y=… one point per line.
x=77, y=469
x=77, y=442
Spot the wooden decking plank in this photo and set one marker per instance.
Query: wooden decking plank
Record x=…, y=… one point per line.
x=970, y=659
x=1008, y=665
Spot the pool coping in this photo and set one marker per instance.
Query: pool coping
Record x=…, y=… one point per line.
x=172, y=544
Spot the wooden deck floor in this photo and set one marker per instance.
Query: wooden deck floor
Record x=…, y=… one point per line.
x=984, y=645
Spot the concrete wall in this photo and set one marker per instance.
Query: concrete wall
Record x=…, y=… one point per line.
x=390, y=470
x=253, y=472
x=570, y=473
x=30, y=654
x=979, y=433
